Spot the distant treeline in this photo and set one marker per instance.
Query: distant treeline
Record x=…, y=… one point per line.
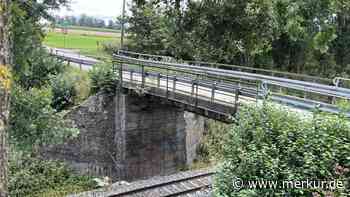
x=87, y=21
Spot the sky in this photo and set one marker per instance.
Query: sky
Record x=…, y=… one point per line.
x=100, y=8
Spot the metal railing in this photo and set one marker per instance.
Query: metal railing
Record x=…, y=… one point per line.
x=267, y=72
x=201, y=92
x=296, y=93
x=219, y=85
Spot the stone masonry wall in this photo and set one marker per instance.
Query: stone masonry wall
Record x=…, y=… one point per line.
x=129, y=137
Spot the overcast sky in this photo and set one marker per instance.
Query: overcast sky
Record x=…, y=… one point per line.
x=110, y=8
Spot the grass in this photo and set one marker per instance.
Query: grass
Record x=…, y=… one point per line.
x=90, y=45
x=92, y=29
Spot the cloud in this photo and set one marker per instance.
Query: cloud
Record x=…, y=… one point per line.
x=102, y=8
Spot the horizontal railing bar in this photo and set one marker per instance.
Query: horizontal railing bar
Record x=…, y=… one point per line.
x=322, y=89
x=234, y=66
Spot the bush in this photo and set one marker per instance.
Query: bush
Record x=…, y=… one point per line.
x=110, y=47
x=270, y=143
x=35, y=68
x=103, y=79
x=64, y=92
x=35, y=177
x=69, y=88
x=33, y=122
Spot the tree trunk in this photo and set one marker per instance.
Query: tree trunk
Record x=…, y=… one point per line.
x=5, y=79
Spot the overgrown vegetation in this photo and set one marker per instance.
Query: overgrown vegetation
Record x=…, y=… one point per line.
x=274, y=144
x=42, y=88
x=69, y=88
x=31, y=177
x=103, y=79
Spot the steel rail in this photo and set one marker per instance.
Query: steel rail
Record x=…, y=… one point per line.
x=162, y=184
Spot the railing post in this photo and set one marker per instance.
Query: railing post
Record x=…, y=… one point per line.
x=197, y=87
x=131, y=76
x=121, y=76
x=174, y=84
x=336, y=82
x=143, y=75
x=167, y=82
x=192, y=91
x=237, y=93
x=213, y=92
x=158, y=80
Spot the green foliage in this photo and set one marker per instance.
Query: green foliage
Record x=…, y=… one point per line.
x=31, y=177
x=213, y=142
x=275, y=144
x=147, y=29
x=308, y=36
x=32, y=64
x=110, y=48
x=69, y=88
x=103, y=79
x=33, y=122
x=64, y=92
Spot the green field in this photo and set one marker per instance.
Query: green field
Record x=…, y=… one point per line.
x=86, y=42
x=92, y=29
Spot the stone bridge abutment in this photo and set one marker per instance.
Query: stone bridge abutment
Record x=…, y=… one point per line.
x=129, y=137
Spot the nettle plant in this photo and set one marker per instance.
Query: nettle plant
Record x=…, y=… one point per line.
x=273, y=143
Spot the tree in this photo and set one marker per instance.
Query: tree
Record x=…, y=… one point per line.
x=111, y=24
x=5, y=79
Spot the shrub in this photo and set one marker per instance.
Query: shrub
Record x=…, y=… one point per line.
x=35, y=177
x=103, y=79
x=110, y=47
x=33, y=122
x=69, y=88
x=63, y=91
x=275, y=144
x=35, y=68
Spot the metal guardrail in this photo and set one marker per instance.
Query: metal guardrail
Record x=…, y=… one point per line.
x=291, y=92
x=73, y=58
x=202, y=93
x=296, y=93
x=267, y=72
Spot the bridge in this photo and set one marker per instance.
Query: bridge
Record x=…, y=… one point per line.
x=216, y=90
x=155, y=122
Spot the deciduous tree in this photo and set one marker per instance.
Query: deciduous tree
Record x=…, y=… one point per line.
x=5, y=83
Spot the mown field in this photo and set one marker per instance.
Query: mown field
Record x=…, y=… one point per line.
x=88, y=42
x=92, y=29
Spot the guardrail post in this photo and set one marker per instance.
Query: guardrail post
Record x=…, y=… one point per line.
x=197, y=87
x=131, y=76
x=158, y=80
x=121, y=76
x=336, y=82
x=213, y=92
x=192, y=91
x=174, y=84
x=167, y=82
x=237, y=93
x=143, y=75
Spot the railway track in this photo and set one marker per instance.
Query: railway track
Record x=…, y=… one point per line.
x=183, y=184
